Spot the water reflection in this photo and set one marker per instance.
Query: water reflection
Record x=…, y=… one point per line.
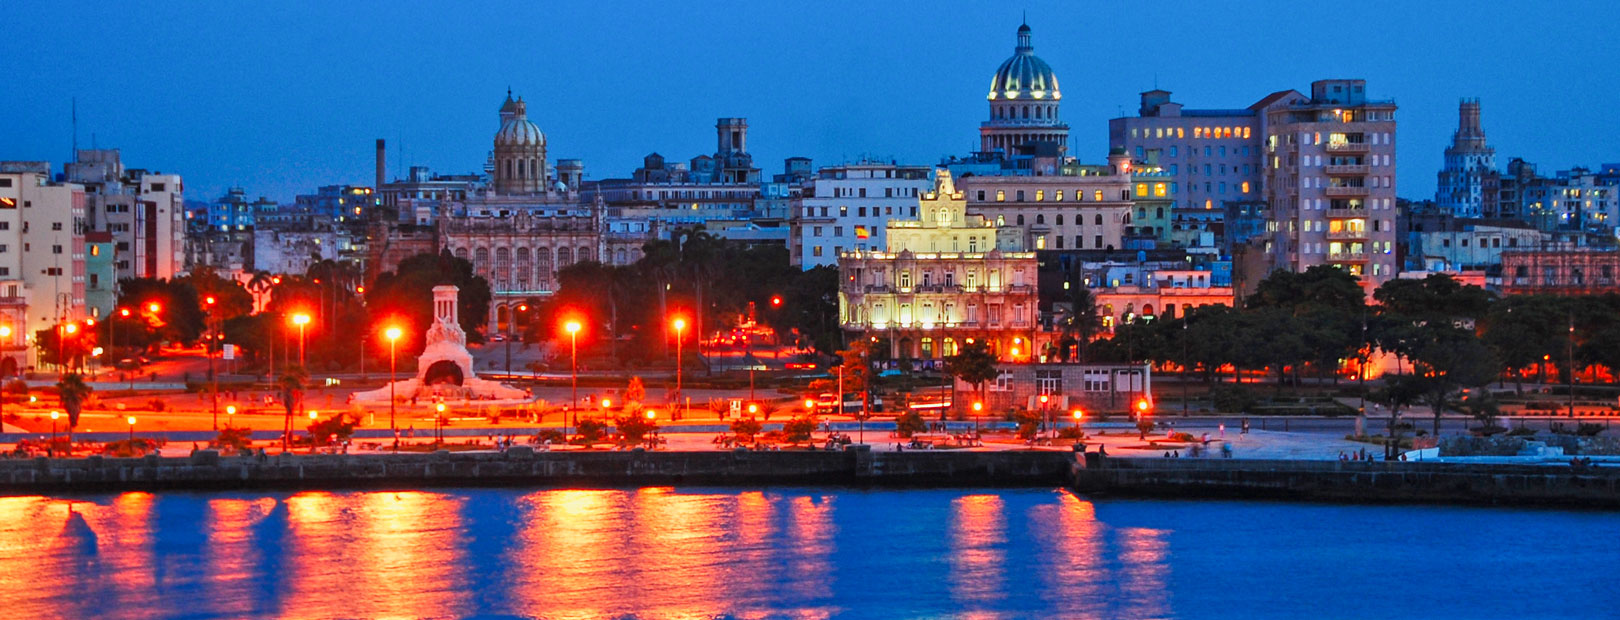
x=661, y=552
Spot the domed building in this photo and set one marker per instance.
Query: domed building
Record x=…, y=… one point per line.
x=1024, y=99
x=520, y=151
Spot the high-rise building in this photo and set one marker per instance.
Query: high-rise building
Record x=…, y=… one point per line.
x=41, y=256
x=1330, y=182
x=1210, y=156
x=143, y=210
x=1469, y=160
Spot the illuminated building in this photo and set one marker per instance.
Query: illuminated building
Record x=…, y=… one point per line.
x=1561, y=271
x=1024, y=99
x=941, y=280
x=1330, y=182
x=144, y=211
x=1211, y=156
x=42, y=250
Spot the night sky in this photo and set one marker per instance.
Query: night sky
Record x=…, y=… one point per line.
x=281, y=97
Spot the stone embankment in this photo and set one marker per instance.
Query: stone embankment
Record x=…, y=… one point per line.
x=1342, y=481
x=1092, y=475
x=523, y=466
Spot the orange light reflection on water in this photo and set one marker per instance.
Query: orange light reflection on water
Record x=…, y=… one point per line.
x=978, y=535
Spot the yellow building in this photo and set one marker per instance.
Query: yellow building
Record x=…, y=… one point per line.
x=944, y=280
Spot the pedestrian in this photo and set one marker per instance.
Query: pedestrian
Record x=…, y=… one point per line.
x=1223, y=430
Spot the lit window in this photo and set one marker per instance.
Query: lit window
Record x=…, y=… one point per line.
x=1159, y=190
x=1097, y=195
x=1040, y=195
x=1059, y=196
x=1245, y=187
x=1001, y=195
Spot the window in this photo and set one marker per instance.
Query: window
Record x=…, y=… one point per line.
x=1040, y=195
x=816, y=251
x=56, y=249
x=843, y=211
x=56, y=226
x=1049, y=381
x=1001, y=195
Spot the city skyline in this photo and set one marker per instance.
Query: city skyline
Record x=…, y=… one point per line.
x=897, y=84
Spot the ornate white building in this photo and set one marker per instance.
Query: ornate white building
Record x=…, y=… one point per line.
x=1461, y=190
x=945, y=279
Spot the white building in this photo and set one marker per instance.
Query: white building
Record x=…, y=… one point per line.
x=41, y=255
x=846, y=208
x=144, y=211
x=1461, y=190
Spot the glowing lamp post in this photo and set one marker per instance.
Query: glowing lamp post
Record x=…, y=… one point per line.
x=438, y=424
x=55, y=415
x=573, y=363
x=131, y=420
x=393, y=334
x=300, y=320
x=680, y=328
x=978, y=408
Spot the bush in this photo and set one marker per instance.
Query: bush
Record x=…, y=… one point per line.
x=589, y=432
x=157, y=404
x=1071, y=432
x=333, y=430
x=1143, y=427
x=1521, y=432
x=234, y=440
x=1029, y=423
x=635, y=428
x=798, y=430
x=1232, y=398
x=745, y=429
x=550, y=434
x=1587, y=429
x=1182, y=437
x=909, y=423
x=1487, y=431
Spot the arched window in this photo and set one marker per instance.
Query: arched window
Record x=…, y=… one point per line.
x=1020, y=219
x=523, y=269
x=1099, y=219
x=584, y=254
x=481, y=261
x=1060, y=219
x=1040, y=218
x=565, y=257
x=503, y=267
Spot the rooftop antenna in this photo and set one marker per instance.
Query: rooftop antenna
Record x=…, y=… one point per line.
x=75, y=154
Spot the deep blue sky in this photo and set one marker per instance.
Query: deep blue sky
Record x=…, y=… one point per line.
x=282, y=97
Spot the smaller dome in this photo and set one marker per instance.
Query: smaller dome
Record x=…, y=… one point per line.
x=516, y=130
x=1024, y=75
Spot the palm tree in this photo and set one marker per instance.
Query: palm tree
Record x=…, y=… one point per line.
x=259, y=284
x=292, y=391
x=1083, y=322
x=73, y=392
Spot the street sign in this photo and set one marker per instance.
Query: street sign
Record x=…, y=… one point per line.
x=229, y=352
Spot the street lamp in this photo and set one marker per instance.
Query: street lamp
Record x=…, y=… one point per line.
x=209, y=351
x=511, y=330
x=131, y=420
x=393, y=334
x=680, y=328
x=438, y=424
x=1044, y=410
x=573, y=357
x=978, y=407
x=300, y=320
x=55, y=415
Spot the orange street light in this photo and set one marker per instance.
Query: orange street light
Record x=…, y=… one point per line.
x=393, y=333
x=209, y=300
x=1078, y=414
x=776, y=300
x=131, y=421
x=313, y=414
x=230, y=409
x=753, y=408
x=154, y=307
x=573, y=362
x=977, y=407
x=809, y=404
x=651, y=414
x=70, y=328
x=300, y=320
x=1142, y=405
x=680, y=330
x=123, y=312
x=607, y=403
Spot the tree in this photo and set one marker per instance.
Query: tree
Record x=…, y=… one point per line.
x=972, y=364
x=238, y=440
x=635, y=392
x=407, y=292
x=857, y=374
x=1438, y=297
x=1029, y=423
x=56, y=347
x=1446, y=359
x=589, y=431
x=291, y=385
x=74, y=392
x=1083, y=322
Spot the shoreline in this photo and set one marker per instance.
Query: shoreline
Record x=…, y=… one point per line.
x=1376, y=482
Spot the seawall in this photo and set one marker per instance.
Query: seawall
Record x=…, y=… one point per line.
x=1342, y=481
x=524, y=467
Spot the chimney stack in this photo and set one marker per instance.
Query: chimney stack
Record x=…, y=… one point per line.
x=382, y=163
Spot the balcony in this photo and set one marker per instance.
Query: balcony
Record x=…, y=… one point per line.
x=1352, y=235
x=1349, y=147
x=1345, y=192
x=1347, y=257
x=1346, y=213
x=1342, y=169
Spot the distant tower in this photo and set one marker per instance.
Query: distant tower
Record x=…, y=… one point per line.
x=520, y=151
x=382, y=163
x=732, y=134
x=1468, y=161
x=1024, y=100
x=570, y=173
